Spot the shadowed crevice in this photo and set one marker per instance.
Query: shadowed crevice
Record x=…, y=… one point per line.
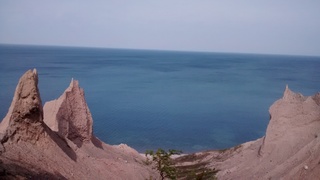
x=61, y=142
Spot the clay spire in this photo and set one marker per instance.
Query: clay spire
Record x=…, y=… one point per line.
x=25, y=117
x=289, y=95
x=69, y=115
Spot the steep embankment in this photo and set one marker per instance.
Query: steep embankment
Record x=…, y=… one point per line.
x=289, y=150
x=66, y=149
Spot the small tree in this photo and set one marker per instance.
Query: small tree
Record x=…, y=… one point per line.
x=163, y=162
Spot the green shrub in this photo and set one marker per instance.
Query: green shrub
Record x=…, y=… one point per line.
x=163, y=163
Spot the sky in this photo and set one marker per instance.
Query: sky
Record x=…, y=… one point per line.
x=246, y=26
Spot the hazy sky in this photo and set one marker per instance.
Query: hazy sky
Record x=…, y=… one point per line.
x=269, y=26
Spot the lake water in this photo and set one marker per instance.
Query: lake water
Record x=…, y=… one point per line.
x=189, y=101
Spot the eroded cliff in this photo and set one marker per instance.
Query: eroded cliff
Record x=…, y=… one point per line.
x=31, y=149
x=289, y=150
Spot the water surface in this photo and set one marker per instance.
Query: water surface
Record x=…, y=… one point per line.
x=189, y=101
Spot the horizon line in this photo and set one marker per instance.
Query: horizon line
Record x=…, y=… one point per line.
x=166, y=50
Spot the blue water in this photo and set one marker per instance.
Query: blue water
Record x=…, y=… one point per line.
x=189, y=101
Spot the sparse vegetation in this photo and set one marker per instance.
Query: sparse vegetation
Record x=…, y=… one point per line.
x=163, y=162
x=174, y=168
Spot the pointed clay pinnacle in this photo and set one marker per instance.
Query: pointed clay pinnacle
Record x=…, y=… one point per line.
x=73, y=83
x=25, y=116
x=289, y=95
x=70, y=115
x=27, y=105
x=287, y=92
x=35, y=71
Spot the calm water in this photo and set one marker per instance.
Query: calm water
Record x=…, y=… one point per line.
x=149, y=99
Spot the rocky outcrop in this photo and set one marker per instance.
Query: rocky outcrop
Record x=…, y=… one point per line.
x=291, y=146
x=295, y=121
x=289, y=150
x=24, y=120
x=31, y=150
x=69, y=115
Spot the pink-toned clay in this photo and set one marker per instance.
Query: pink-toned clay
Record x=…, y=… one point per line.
x=57, y=141
x=68, y=150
